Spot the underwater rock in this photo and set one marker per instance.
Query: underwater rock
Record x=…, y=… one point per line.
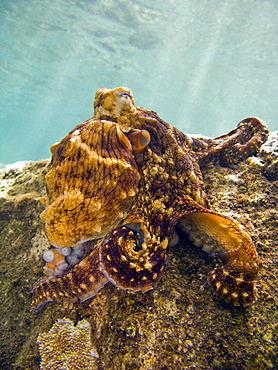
x=178, y=325
x=270, y=150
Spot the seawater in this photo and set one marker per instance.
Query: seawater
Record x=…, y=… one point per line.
x=202, y=65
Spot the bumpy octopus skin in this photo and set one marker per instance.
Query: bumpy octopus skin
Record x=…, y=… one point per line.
x=130, y=179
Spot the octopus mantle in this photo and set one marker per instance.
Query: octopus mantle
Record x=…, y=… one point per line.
x=130, y=180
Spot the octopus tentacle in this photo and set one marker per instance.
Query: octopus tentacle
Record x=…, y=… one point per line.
x=237, y=144
x=131, y=260
x=226, y=239
x=81, y=282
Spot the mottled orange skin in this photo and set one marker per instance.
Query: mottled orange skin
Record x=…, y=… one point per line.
x=169, y=194
x=90, y=188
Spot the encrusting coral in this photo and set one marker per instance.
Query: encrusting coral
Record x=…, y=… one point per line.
x=67, y=347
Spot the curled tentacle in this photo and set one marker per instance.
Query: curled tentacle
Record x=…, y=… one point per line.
x=81, y=282
x=131, y=258
x=238, y=144
x=226, y=239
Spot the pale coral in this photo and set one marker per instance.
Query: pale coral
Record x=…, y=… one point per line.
x=67, y=347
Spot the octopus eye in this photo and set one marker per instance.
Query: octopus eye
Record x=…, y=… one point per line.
x=124, y=95
x=123, y=100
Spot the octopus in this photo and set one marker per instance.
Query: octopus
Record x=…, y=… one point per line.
x=132, y=182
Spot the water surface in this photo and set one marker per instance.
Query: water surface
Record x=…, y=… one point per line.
x=202, y=65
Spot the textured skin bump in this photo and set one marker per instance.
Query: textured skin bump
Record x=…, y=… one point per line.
x=157, y=188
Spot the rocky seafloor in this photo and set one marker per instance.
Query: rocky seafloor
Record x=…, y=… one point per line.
x=181, y=324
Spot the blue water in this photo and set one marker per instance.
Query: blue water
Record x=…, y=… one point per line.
x=202, y=65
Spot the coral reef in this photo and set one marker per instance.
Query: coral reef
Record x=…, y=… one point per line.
x=177, y=326
x=67, y=347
